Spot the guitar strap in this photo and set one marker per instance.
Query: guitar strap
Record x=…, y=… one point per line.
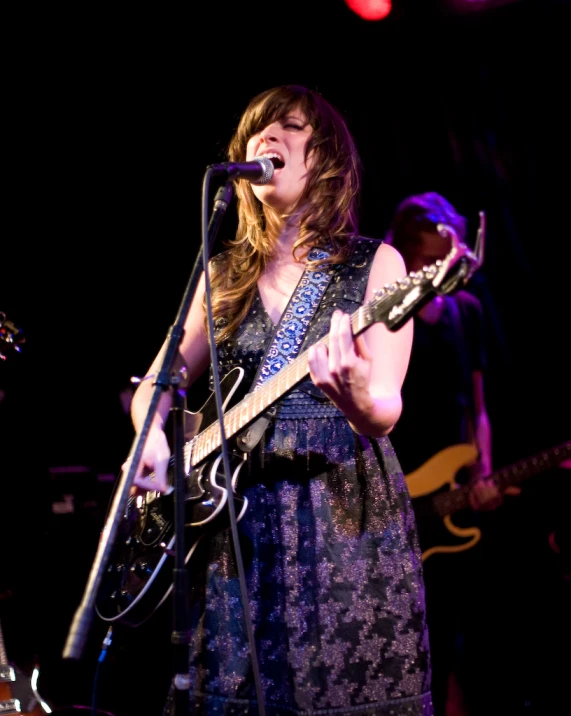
x=288, y=336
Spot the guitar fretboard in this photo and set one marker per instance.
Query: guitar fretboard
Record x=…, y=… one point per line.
x=255, y=403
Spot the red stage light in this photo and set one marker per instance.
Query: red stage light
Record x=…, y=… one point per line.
x=370, y=9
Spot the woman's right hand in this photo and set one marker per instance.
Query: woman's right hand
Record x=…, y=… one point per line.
x=152, y=472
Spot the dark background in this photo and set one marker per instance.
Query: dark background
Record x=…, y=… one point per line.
x=110, y=119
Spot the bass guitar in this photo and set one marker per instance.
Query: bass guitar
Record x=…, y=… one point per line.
x=436, y=496
x=138, y=575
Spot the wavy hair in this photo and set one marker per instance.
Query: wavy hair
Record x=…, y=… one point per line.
x=420, y=212
x=328, y=206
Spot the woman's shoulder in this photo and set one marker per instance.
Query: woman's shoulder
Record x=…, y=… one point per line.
x=363, y=248
x=368, y=241
x=369, y=249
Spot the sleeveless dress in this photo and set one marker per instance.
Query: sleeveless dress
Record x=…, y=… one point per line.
x=330, y=552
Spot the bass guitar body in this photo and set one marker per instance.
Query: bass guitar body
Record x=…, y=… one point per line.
x=436, y=477
x=436, y=494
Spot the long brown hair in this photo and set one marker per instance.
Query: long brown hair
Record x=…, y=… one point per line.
x=329, y=201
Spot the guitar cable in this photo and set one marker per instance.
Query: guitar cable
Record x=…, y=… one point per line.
x=107, y=640
x=106, y=644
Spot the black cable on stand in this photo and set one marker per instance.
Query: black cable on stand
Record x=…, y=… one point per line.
x=180, y=637
x=225, y=454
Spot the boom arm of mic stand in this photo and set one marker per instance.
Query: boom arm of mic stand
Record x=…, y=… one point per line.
x=82, y=619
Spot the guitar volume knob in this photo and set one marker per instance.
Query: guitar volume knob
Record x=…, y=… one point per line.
x=140, y=569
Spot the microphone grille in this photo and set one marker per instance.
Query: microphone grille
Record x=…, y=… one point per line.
x=268, y=168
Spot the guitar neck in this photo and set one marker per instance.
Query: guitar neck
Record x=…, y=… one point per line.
x=3, y=655
x=447, y=503
x=392, y=305
x=252, y=405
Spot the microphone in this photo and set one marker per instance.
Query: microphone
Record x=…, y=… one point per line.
x=259, y=171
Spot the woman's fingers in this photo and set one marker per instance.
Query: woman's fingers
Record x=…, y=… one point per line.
x=345, y=344
x=334, y=348
x=342, y=355
x=331, y=364
x=318, y=359
x=152, y=472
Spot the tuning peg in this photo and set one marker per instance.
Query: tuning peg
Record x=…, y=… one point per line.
x=480, y=240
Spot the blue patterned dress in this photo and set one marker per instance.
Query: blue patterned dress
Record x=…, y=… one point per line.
x=330, y=551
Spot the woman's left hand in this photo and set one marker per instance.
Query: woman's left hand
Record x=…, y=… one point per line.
x=342, y=369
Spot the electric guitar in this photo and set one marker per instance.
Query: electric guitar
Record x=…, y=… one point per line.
x=138, y=575
x=436, y=497
x=18, y=695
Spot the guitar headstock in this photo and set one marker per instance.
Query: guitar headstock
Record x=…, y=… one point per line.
x=11, y=337
x=460, y=263
x=395, y=303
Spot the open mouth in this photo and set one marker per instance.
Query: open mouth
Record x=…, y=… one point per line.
x=278, y=164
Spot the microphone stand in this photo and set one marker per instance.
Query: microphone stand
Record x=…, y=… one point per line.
x=164, y=380
x=227, y=469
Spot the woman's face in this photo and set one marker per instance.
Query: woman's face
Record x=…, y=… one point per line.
x=284, y=141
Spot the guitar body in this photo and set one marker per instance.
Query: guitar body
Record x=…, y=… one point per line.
x=18, y=694
x=438, y=533
x=138, y=578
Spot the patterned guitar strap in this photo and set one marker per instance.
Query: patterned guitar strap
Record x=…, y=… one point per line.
x=288, y=337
